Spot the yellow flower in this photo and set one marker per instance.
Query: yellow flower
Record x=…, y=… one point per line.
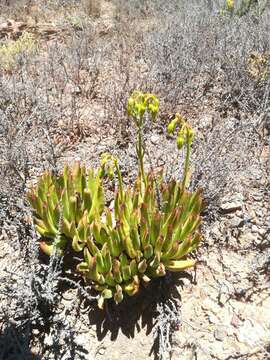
x=230, y=5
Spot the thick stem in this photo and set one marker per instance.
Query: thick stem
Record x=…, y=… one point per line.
x=120, y=181
x=140, y=154
x=186, y=167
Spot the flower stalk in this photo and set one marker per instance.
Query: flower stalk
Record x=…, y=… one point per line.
x=185, y=137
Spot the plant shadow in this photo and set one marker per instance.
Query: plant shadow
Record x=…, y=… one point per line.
x=139, y=311
x=15, y=345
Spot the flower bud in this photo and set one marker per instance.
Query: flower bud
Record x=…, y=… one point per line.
x=140, y=109
x=153, y=110
x=130, y=106
x=190, y=135
x=170, y=128
x=172, y=125
x=180, y=142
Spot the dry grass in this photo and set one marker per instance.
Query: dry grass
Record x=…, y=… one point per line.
x=194, y=59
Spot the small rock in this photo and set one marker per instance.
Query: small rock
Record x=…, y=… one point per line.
x=254, y=229
x=206, y=122
x=223, y=298
x=239, y=213
x=258, y=196
x=231, y=345
x=155, y=139
x=247, y=238
x=220, y=333
x=101, y=351
x=252, y=333
x=210, y=305
x=225, y=292
x=35, y=332
x=252, y=214
x=215, y=231
x=72, y=89
x=213, y=319
x=101, y=149
x=229, y=207
x=259, y=212
x=235, y=321
x=76, y=90
x=48, y=340
x=237, y=222
x=232, y=204
x=68, y=295
x=261, y=231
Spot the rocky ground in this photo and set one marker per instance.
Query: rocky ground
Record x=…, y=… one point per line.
x=219, y=311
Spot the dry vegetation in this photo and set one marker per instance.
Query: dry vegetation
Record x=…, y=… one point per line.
x=66, y=71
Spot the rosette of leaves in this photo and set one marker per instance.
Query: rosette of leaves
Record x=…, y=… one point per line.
x=64, y=206
x=144, y=236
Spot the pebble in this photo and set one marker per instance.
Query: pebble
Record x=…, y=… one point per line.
x=232, y=204
x=237, y=222
x=258, y=196
x=48, y=340
x=252, y=334
x=259, y=212
x=35, y=332
x=254, y=229
x=211, y=305
x=261, y=231
x=206, y=122
x=247, y=238
x=101, y=351
x=252, y=213
x=215, y=231
x=239, y=213
x=155, y=139
x=223, y=298
x=68, y=295
x=101, y=149
x=220, y=333
x=230, y=207
x=225, y=291
x=235, y=321
x=213, y=319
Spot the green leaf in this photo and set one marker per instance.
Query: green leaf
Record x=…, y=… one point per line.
x=180, y=265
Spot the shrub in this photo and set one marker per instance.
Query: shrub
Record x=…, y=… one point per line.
x=153, y=225
x=92, y=7
x=259, y=66
x=9, y=52
x=243, y=7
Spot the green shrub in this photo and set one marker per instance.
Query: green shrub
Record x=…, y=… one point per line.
x=258, y=66
x=244, y=7
x=24, y=45
x=153, y=225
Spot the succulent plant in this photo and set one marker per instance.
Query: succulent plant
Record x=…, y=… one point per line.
x=65, y=205
x=151, y=229
x=153, y=225
x=141, y=239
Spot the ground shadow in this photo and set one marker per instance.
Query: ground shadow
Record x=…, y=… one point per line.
x=130, y=316
x=137, y=312
x=15, y=345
